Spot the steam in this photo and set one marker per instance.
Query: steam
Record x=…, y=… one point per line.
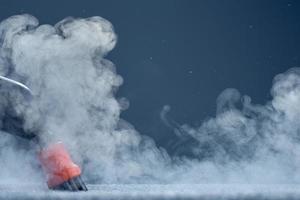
x=249, y=143
x=74, y=86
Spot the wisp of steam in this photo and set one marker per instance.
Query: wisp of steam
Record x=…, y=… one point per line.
x=74, y=87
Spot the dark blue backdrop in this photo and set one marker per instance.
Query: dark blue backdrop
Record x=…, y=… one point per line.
x=184, y=53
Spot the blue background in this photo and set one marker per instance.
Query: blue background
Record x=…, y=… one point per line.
x=184, y=53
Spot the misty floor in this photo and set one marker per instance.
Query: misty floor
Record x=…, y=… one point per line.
x=144, y=191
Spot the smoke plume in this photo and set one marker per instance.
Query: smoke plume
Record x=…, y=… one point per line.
x=74, y=101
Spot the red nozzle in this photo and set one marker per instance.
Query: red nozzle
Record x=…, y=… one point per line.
x=58, y=165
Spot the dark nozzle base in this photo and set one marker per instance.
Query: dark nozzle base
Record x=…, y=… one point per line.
x=75, y=184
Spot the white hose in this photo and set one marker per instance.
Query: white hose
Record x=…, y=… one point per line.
x=15, y=82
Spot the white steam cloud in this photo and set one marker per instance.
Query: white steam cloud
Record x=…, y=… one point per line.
x=74, y=87
x=74, y=100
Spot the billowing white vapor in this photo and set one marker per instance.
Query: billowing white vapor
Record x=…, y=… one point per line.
x=74, y=86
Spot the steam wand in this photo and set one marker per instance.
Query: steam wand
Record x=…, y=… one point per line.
x=62, y=173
